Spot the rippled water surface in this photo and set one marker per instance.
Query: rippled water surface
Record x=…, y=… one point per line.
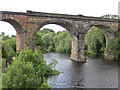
x=95, y=73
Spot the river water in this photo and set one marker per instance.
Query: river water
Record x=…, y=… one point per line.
x=95, y=73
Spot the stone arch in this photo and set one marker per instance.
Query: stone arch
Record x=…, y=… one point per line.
x=70, y=28
x=20, y=31
x=67, y=25
x=108, y=33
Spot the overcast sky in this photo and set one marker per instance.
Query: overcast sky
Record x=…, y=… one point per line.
x=95, y=8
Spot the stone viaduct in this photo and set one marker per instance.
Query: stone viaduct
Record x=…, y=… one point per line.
x=29, y=23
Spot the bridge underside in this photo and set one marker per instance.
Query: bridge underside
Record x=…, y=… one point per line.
x=28, y=24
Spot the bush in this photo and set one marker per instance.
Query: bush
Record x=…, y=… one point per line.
x=117, y=48
x=95, y=42
x=27, y=70
x=7, y=51
x=50, y=41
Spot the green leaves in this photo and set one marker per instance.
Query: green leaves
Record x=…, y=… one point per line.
x=62, y=42
x=50, y=41
x=27, y=71
x=95, y=41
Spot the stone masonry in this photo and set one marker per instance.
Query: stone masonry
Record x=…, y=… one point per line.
x=28, y=24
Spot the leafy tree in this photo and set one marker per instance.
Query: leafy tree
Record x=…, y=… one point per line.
x=95, y=41
x=62, y=42
x=7, y=51
x=8, y=47
x=67, y=45
x=39, y=42
x=27, y=70
x=50, y=41
x=48, y=38
x=5, y=37
x=12, y=42
x=46, y=30
x=116, y=47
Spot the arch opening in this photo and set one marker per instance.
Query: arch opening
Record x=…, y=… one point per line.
x=18, y=31
x=95, y=42
x=53, y=38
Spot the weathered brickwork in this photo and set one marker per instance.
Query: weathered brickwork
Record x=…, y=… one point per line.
x=28, y=24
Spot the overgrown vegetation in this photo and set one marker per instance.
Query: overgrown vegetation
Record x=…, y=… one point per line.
x=115, y=45
x=0, y=63
x=8, y=47
x=27, y=70
x=95, y=42
x=48, y=40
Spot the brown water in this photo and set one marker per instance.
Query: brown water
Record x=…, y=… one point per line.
x=95, y=73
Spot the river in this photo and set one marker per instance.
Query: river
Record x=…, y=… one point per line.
x=95, y=73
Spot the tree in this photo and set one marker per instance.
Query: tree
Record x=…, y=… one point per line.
x=27, y=70
x=46, y=30
x=48, y=38
x=5, y=37
x=95, y=41
x=7, y=51
x=62, y=42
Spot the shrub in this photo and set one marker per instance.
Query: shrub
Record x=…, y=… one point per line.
x=94, y=41
x=27, y=70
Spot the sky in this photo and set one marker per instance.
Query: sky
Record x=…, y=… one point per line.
x=94, y=8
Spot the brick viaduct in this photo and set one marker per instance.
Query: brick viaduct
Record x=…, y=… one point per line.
x=29, y=23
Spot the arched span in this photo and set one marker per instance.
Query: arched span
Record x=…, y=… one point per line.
x=109, y=35
x=20, y=31
x=107, y=31
x=67, y=25
x=70, y=28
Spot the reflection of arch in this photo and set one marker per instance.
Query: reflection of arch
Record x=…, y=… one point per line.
x=20, y=29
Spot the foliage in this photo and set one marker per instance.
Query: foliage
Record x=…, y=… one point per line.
x=5, y=37
x=46, y=30
x=117, y=48
x=110, y=16
x=8, y=46
x=95, y=41
x=48, y=38
x=28, y=70
x=62, y=42
x=0, y=68
x=113, y=47
x=110, y=47
x=40, y=44
x=11, y=41
x=7, y=51
x=50, y=41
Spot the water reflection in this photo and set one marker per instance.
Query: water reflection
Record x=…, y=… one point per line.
x=95, y=73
